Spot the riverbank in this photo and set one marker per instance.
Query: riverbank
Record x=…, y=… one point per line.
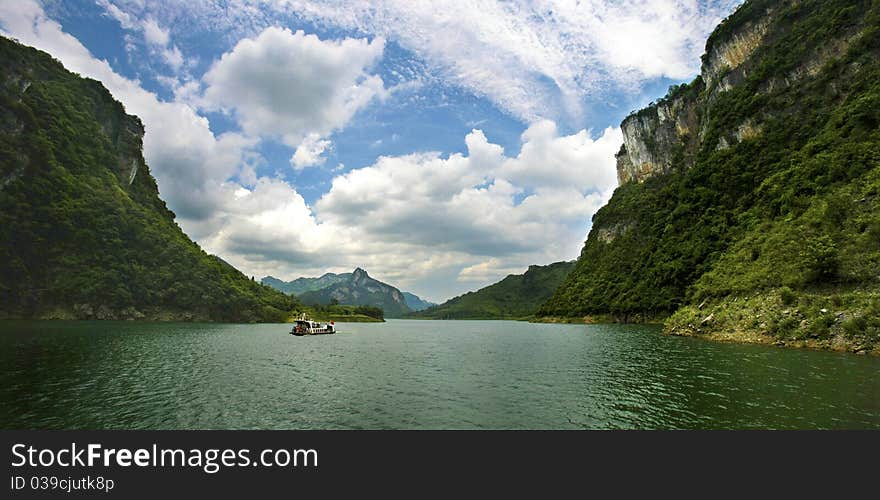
x=342, y=318
x=599, y=319
x=831, y=318
x=87, y=312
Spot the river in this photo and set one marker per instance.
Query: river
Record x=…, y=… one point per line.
x=413, y=374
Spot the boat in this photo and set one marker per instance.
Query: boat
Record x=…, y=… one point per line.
x=305, y=326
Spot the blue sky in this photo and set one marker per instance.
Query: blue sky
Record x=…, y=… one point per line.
x=438, y=145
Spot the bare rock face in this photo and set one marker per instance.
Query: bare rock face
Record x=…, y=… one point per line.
x=652, y=138
x=733, y=52
x=669, y=132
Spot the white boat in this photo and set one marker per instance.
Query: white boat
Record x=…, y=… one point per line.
x=305, y=326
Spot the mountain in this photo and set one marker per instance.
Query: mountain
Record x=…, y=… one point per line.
x=356, y=288
x=516, y=296
x=749, y=199
x=83, y=232
x=415, y=303
x=302, y=285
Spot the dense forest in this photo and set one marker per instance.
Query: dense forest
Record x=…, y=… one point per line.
x=517, y=296
x=766, y=216
x=83, y=232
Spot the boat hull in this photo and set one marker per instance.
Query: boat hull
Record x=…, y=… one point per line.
x=305, y=334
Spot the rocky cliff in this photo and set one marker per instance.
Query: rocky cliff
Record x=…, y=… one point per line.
x=670, y=132
x=748, y=200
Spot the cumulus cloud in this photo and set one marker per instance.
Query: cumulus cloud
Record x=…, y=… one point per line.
x=291, y=85
x=308, y=153
x=444, y=222
x=188, y=161
x=470, y=206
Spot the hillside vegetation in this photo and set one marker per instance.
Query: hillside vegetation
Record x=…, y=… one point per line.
x=750, y=198
x=517, y=296
x=83, y=232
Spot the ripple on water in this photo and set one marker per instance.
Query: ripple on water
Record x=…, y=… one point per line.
x=418, y=374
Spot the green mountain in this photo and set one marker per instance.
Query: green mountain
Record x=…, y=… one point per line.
x=83, y=232
x=749, y=199
x=356, y=288
x=516, y=296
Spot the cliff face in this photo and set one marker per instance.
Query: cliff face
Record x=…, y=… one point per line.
x=758, y=176
x=670, y=132
x=83, y=232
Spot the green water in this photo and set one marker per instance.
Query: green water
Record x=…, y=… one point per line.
x=418, y=374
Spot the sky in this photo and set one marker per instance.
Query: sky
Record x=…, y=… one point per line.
x=440, y=145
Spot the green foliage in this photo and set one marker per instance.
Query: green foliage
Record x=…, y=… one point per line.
x=832, y=317
x=796, y=205
x=516, y=296
x=75, y=234
x=340, y=312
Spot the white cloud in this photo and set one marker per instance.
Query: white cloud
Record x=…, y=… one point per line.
x=155, y=34
x=464, y=206
x=291, y=85
x=486, y=271
x=447, y=223
x=308, y=153
x=188, y=161
x=536, y=59
x=549, y=160
x=122, y=17
x=443, y=225
x=173, y=57
x=157, y=39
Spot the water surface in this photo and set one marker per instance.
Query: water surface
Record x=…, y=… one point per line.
x=419, y=374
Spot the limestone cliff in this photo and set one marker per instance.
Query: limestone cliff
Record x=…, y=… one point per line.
x=671, y=131
x=749, y=199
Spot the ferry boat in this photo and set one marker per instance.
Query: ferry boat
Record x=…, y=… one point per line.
x=305, y=326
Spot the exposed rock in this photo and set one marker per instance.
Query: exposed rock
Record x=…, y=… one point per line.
x=658, y=135
x=652, y=137
x=104, y=313
x=609, y=234
x=83, y=311
x=732, y=52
